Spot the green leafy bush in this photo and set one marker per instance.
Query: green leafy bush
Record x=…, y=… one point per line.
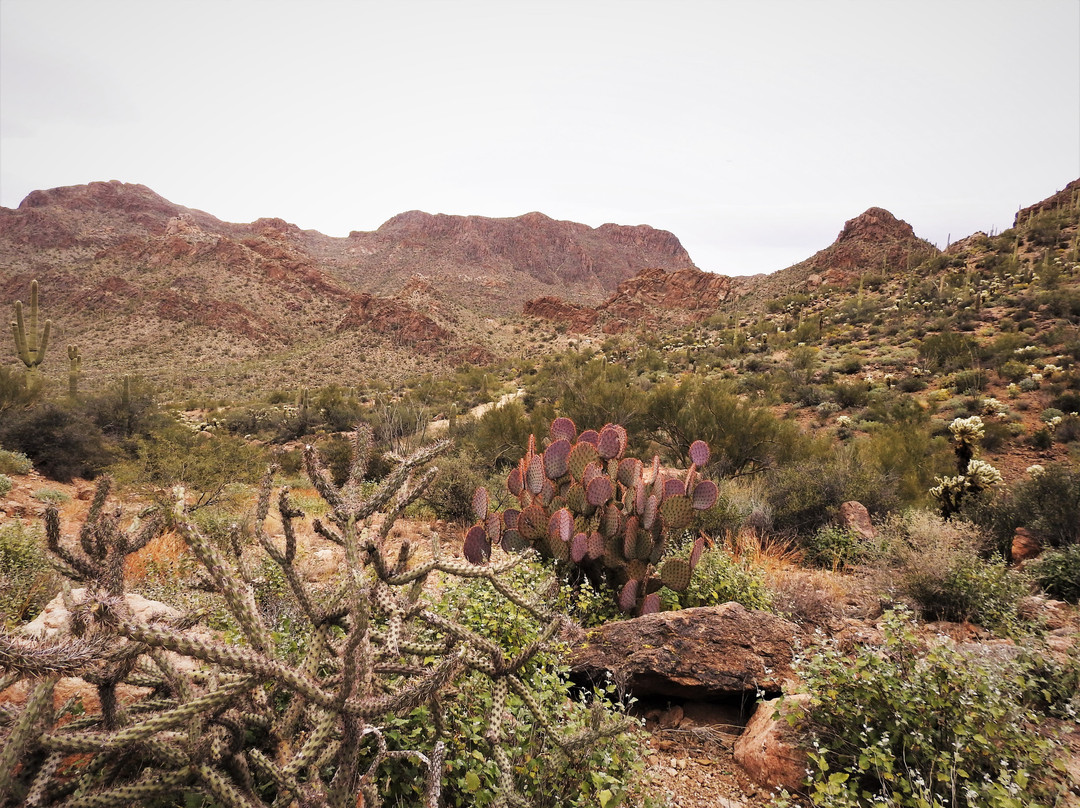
x=5, y=485
x=940, y=570
x=550, y=777
x=720, y=578
x=805, y=496
x=1057, y=572
x=1047, y=504
x=912, y=728
x=62, y=443
x=831, y=546
x=27, y=582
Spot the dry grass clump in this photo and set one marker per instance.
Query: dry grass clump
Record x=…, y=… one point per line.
x=166, y=556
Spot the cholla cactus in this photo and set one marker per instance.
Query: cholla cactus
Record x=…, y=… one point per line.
x=587, y=506
x=981, y=475
x=975, y=476
x=230, y=721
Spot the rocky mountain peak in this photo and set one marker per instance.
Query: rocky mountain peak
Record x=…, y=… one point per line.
x=876, y=225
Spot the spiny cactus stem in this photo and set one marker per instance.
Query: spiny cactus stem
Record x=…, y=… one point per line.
x=38, y=705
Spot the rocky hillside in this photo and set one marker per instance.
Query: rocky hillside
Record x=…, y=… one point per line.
x=652, y=298
x=146, y=286
x=874, y=243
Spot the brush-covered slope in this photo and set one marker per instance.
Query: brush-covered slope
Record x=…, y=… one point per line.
x=146, y=286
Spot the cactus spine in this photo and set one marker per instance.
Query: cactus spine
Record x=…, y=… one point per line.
x=29, y=346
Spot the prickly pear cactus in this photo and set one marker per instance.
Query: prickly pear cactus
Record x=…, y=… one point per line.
x=585, y=504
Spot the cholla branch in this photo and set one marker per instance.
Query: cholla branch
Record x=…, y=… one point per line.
x=232, y=720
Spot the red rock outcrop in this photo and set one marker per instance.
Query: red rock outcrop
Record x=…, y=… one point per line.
x=396, y=320
x=652, y=296
x=577, y=319
x=543, y=248
x=657, y=291
x=769, y=750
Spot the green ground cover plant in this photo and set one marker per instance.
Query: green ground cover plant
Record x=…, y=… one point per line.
x=924, y=727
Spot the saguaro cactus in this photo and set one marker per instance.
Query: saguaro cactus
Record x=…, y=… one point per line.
x=28, y=345
x=74, y=367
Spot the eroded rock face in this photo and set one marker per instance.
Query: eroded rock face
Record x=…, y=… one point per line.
x=576, y=318
x=768, y=749
x=709, y=653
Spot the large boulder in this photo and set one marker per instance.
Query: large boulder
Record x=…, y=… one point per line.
x=768, y=749
x=707, y=653
x=855, y=517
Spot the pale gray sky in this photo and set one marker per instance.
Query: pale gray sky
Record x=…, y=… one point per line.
x=750, y=128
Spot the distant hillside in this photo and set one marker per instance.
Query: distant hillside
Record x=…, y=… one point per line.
x=151, y=287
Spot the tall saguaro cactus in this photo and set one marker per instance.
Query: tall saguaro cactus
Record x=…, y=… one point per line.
x=74, y=367
x=28, y=345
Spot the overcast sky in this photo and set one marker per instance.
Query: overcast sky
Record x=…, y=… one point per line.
x=752, y=129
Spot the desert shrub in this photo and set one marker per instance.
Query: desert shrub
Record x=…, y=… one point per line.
x=1047, y=504
x=805, y=496
x=15, y=393
x=1057, y=572
x=831, y=547
x=1068, y=401
x=905, y=452
x=1042, y=438
x=551, y=777
x=743, y=438
x=965, y=382
x=995, y=435
x=27, y=581
x=985, y=592
x=127, y=408
x=501, y=434
x=337, y=408
x=939, y=569
x=949, y=350
x=450, y=495
x=5, y=485
x=600, y=392
x=52, y=495
x=1062, y=302
x=62, y=443
x=909, y=727
x=911, y=384
x=1068, y=430
x=721, y=578
x=1012, y=371
x=211, y=466
x=14, y=463
x=850, y=394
